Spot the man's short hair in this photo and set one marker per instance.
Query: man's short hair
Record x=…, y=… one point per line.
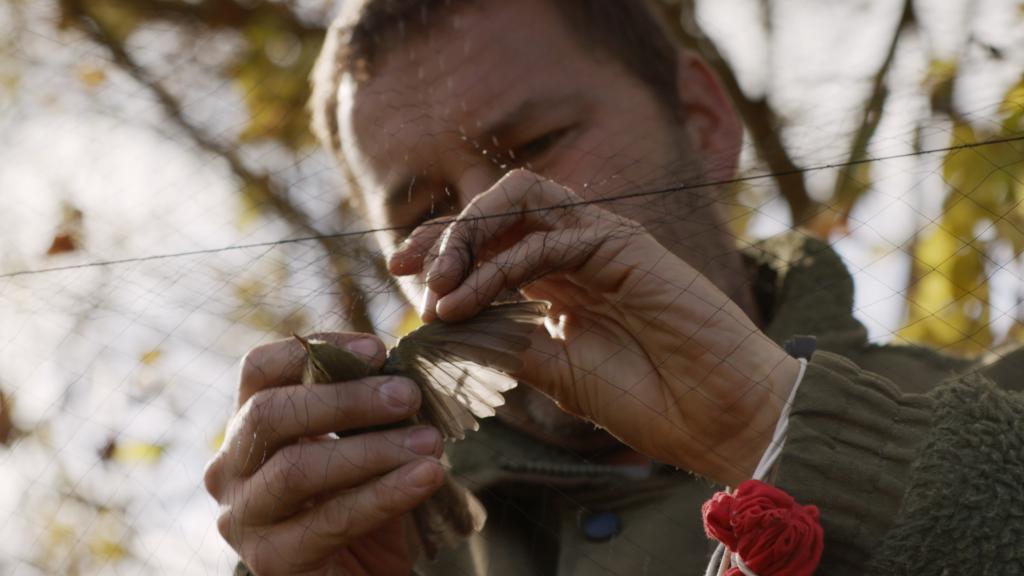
x=630, y=31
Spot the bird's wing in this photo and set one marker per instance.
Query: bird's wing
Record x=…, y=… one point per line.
x=463, y=367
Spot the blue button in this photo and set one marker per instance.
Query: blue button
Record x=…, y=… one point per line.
x=601, y=526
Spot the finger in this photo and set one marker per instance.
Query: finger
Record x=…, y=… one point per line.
x=280, y=363
x=519, y=196
x=274, y=417
x=537, y=255
x=309, y=538
x=408, y=257
x=303, y=471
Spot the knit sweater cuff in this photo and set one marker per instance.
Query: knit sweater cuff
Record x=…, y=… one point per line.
x=852, y=439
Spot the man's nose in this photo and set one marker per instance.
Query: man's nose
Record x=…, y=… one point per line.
x=475, y=179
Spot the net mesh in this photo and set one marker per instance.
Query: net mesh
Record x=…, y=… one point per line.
x=167, y=210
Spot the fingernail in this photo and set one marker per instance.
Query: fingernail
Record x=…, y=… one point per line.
x=436, y=270
x=428, y=303
x=365, y=347
x=425, y=441
x=431, y=274
x=442, y=305
x=398, y=393
x=394, y=259
x=399, y=249
x=426, y=473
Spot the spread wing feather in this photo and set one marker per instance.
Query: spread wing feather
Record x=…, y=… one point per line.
x=462, y=367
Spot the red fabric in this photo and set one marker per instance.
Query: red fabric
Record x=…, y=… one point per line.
x=771, y=532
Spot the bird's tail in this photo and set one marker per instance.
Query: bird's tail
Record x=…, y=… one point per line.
x=450, y=515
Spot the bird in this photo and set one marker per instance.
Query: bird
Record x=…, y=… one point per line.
x=462, y=370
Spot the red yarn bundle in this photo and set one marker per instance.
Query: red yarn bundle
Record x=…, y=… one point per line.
x=767, y=528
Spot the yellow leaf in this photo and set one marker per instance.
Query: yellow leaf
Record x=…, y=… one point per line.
x=948, y=305
x=939, y=72
x=138, y=452
x=9, y=82
x=108, y=536
x=150, y=357
x=938, y=83
x=218, y=439
x=107, y=550
x=1014, y=99
x=60, y=533
x=275, y=85
x=251, y=202
x=1016, y=332
x=739, y=197
x=91, y=76
x=1013, y=107
x=410, y=321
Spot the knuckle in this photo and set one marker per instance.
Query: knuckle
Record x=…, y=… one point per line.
x=225, y=524
x=287, y=472
x=260, y=558
x=247, y=422
x=256, y=422
x=520, y=176
x=386, y=498
x=344, y=401
x=378, y=450
x=351, y=454
x=261, y=405
x=213, y=476
x=624, y=223
x=252, y=371
x=336, y=516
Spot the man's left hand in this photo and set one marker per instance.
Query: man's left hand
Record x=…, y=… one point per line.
x=638, y=341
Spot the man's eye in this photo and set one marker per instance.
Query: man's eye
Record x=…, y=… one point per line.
x=534, y=148
x=444, y=206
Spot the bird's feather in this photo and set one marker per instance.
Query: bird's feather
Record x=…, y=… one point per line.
x=462, y=367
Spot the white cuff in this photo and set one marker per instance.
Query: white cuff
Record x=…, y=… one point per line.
x=771, y=454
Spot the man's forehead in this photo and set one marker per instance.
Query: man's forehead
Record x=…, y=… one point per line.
x=453, y=79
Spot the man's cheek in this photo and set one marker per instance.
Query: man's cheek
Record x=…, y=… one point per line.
x=592, y=166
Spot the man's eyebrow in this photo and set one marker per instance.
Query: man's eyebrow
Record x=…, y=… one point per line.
x=501, y=124
x=505, y=122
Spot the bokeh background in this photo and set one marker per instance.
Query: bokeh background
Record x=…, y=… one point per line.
x=164, y=208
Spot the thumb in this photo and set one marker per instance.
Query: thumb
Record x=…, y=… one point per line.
x=280, y=363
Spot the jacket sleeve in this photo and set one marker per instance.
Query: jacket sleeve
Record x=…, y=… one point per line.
x=908, y=483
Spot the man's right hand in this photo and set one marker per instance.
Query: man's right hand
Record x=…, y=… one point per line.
x=296, y=501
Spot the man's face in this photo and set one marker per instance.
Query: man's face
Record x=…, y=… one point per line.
x=497, y=85
x=494, y=85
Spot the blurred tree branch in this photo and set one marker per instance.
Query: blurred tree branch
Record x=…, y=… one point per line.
x=851, y=182
x=9, y=432
x=222, y=13
x=263, y=188
x=757, y=114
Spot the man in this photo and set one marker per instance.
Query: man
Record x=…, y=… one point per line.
x=574, y=149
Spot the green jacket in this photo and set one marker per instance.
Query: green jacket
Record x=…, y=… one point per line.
x=915, y=459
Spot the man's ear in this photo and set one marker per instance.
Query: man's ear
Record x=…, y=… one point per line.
x=711, y=122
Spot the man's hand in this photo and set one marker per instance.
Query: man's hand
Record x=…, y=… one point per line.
x=639, y=342
x=295, y=501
